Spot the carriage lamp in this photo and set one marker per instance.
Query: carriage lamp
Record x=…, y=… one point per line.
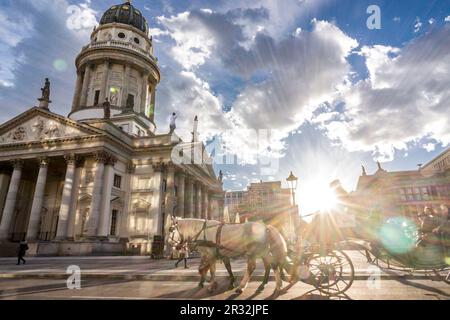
x=292, y=180
x=293, y=185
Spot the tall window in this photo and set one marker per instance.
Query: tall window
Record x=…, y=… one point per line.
x=96, y=97
x=117, y=181
x=130, y=101
x=114, y=217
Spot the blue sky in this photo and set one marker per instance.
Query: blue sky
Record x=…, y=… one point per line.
x=331, y=94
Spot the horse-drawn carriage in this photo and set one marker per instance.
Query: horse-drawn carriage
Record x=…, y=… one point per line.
x=398, y=244
x=318, y=257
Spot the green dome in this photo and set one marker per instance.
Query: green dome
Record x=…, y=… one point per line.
x=125, y=13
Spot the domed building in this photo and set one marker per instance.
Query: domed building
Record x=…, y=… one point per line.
x=101, y=180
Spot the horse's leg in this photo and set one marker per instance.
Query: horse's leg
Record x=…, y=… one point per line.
x=267, y=268
x=251, y=265
x=203, y=270
x=226, y=262
x=212, y=270
x=278, y=280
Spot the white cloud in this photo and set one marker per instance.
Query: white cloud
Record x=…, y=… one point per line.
x=417, y=25
x=193, y=42
x=447, y=19
x=14, y=28
x=295, y=80
x=431, y=21
x=298, y=80
x=429, y=147
x=405, y=98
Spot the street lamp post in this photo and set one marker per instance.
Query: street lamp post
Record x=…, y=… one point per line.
x=292, y=180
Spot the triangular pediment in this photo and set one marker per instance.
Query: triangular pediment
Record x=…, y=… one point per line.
x=39, y=125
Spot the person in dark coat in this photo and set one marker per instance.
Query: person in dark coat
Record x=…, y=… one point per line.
x=23, y=247
x=184, y=254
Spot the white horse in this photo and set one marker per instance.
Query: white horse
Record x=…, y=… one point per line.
x=215, y=240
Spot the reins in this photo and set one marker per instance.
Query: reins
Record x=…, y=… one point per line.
x=204, y=242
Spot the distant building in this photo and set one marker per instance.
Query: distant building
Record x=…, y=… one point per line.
x=405, y=193
x=264, y=201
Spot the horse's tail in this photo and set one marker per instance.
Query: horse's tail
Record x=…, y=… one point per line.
x=279, y=251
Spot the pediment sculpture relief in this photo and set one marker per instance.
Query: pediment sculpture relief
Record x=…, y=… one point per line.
x=38, y=129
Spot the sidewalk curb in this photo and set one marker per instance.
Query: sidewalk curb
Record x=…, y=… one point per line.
x=175, y=278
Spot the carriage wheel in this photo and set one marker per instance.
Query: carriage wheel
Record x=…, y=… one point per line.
x=333, y=273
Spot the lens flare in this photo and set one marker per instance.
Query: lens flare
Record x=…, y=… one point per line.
x=399, y=235
x=60, y=65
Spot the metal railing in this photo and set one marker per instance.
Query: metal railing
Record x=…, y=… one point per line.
x=121, y=44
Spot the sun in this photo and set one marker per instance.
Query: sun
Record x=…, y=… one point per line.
x=317, y=196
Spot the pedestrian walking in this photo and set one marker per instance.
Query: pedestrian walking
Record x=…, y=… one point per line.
x=184, y=254
x=22, y=250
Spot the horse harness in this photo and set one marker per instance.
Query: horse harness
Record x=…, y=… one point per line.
x=217, y=245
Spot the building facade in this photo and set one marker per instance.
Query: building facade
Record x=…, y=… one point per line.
x=405, y=193
x=100, y=180
x=267, y=202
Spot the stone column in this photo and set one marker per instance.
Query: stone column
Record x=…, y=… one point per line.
x=74, y=203
x=124, y=230
x=125, y=85
x=4, y=184
x=11, y=198
x=189, y=210
x=170, y=195
x=92, y=223
x=104, y=87
x=144, y=92
x=170, y=205
x=105, y=206
x=210, y=213
x=181, y=194
x=77, y=94
x=156, y=207
x=85, y=87
x=38, y=198
x=205, y=203
x=152, y=102
x=66, y=198
x=198, y=202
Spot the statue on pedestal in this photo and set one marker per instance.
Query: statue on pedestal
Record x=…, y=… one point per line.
x=44, y=100
x=107, y=109
x=173, y=125
x=46, y=90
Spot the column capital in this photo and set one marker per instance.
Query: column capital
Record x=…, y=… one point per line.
x=170, y=167
x=71, y=158
x=111, y=160
x=105, y=157
x=158, y=167
x=43, y=162
x=17, y=163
